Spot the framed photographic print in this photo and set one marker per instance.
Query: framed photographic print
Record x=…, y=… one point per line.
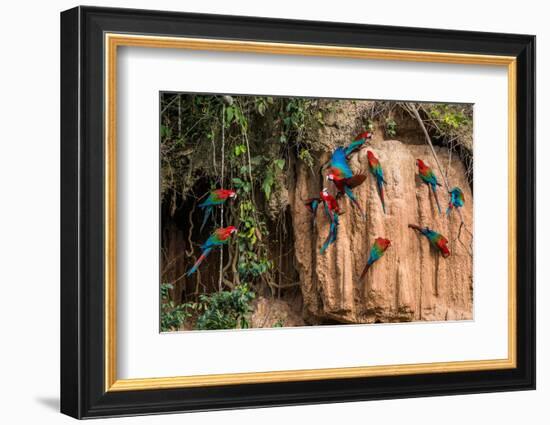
x=261, y=212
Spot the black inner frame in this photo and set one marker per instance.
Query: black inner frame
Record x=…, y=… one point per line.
x=82, y=212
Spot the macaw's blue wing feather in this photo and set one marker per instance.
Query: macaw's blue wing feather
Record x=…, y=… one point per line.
x=331, y=238
x=353, y=146
x=353, y=199
x=339, y=162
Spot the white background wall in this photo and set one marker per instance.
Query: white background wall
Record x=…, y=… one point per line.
x=29, y=212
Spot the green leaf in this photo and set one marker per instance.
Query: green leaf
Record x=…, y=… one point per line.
x=267, y=184
x=229, y=114
x=280, y=163
x=237, y=181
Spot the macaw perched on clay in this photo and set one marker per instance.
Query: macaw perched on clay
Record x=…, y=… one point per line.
x=358, y=143
x=457, y=199
x=330, y=202
x=428, y=177
x=332, y=209
x=436, y=239
x=215, y=198
x=378, y=248
x=219, y=237
x=342, y=177
x=378, y=173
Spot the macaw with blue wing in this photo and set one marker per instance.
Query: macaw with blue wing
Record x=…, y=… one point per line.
x=341, y=175
x=332, y=210
x=215, y=198
x=379, y=246
x=437, y=240
x=358, y=143
x=428, y=176
x=457, y=199
x=378, y=173
x=219, y=237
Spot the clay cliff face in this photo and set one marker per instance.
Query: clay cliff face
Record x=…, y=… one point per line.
x=412, y=281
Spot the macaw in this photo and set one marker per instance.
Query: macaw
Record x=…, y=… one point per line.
x=332, y=210
x=378, y=248
x=342, y=177
x=436, y=239
x=219, y=237
x=358, y=143
x=428, y=177
x=378, y=173
x=330, y=202
x=457, y=199
x=216, y=197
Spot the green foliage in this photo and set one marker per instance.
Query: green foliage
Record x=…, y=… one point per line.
x=279, y=323
x=172, y=316
x=450, y=117
x=252, y=261
x=226, y=309
x=390, y=127
x=260, y=135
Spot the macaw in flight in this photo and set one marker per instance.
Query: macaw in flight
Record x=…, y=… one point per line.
x=378, y=173
x=378, y=248
x=219, y=237
x=215, y=198
x=428, y=177
x=436, y=239
x=341, y=175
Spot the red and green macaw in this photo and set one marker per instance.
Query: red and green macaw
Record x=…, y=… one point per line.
x=428, y=177
x=332, y=210
x=342, y=177
x=215, y=198
x=358, y=143
x=457, y=199
x=378, y=248
x=436, y=239
x=378, y=173
x=219, y=237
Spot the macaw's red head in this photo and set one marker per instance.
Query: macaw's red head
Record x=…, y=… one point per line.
x=231, y=229
x=324, y=192
x=367, y=135
x=445, y=252
x=384, y=243
x=420, y=163
x=331, y=176
x=232, y=194
x=370, y=155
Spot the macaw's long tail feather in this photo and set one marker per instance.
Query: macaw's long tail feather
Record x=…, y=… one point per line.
x=207, y=212
x=415, y=227
x=436, y=199
x=332, y=234
x=199, y=261
x=353, y=199
x=365, y=270
x=381, y=191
